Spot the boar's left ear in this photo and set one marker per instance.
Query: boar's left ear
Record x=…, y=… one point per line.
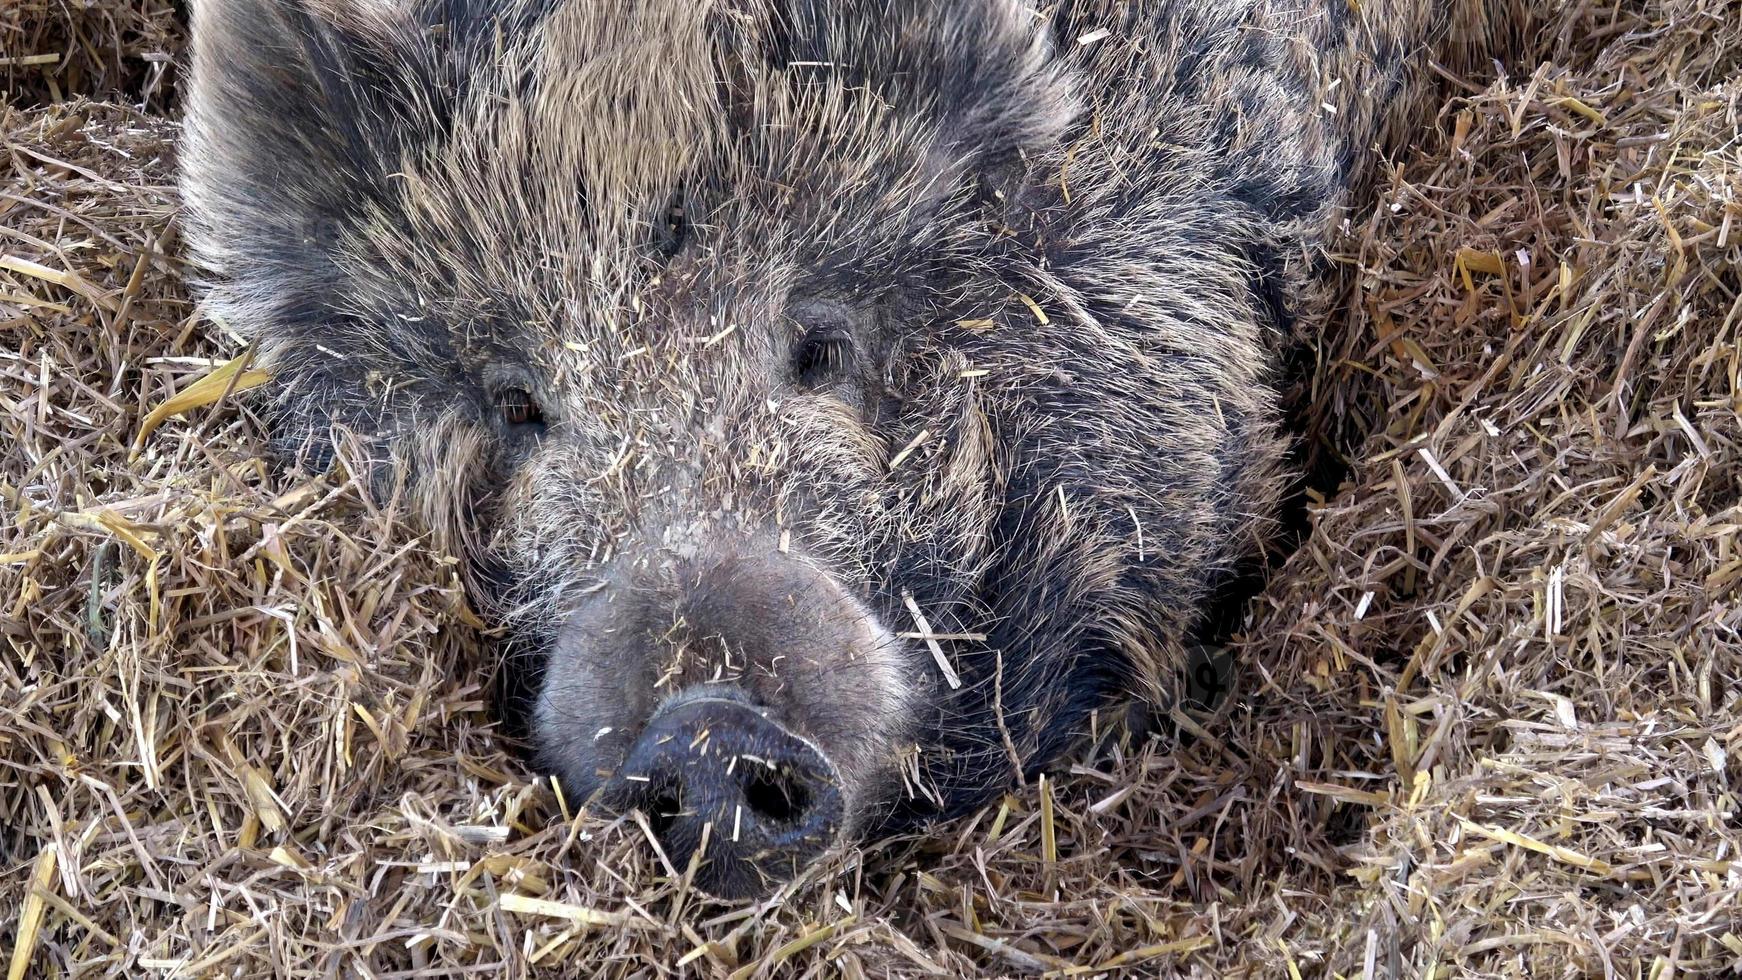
x=990, y=67
x=982, y=71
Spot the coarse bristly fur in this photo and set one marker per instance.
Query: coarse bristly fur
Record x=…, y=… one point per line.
x=805, y=344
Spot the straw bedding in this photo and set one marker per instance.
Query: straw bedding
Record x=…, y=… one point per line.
x=1488, y=718
x=53, y=49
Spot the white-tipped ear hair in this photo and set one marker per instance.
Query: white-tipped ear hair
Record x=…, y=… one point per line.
x=354, y=14
x=298, y=113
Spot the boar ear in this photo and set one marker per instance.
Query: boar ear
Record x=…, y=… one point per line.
x=299, y=113
x=996, y=71
x=983, y=71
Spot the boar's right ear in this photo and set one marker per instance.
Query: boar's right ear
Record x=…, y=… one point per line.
x=299, y=112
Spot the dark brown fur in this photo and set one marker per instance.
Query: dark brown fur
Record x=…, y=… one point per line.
x=833, y=310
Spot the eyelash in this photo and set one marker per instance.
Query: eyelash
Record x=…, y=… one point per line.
x=519, y=408
x=821, y=355
x=674, y=231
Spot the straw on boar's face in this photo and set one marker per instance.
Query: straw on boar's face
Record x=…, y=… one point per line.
x=835, y=457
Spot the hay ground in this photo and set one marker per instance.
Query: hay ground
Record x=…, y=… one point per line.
x=55, y=49
x=1489, y=720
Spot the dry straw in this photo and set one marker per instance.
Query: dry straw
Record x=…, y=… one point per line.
x=1489, y=720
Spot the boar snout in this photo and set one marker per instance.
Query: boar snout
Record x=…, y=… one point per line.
x=729, y=690
x=714, y=773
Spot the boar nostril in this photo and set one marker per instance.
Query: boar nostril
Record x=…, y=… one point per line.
x=776, y=796
x=662, y=811
x=712, y=767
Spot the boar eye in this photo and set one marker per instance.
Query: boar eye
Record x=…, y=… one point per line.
x=822, y=354
x=673, y=231
x=519, y=409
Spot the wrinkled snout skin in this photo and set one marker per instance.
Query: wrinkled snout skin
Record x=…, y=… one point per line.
x=839, y=403
x=748, y=624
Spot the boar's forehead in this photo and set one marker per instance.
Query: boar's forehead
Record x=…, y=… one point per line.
x=632, y=179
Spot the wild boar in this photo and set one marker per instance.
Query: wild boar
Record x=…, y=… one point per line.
x=842, y=401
